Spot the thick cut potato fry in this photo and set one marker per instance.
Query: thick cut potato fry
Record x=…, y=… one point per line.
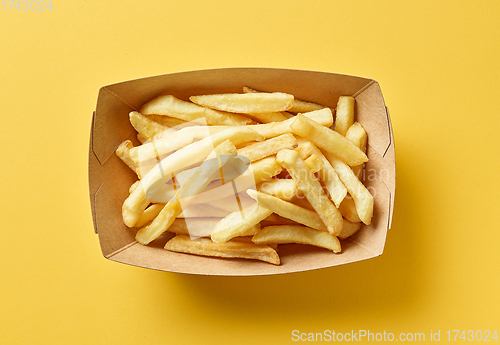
x=168, y=142
x=269, y=130
x=357, y=135
x=362, y=197
x=223, y=153
x=268, y=147
x=149, y=214
x=298, y=106
x=348, y=210
x=187, y=111
x=314, y=163
x=285, y=189
x=344, y=114
x=145, y=126
x=282, y=234
x=312, y=189
x=160, y=224
x=238, y=223
x=268, y=117
x=246, y=103
x=137, y=201
x=349, y=229
x=288, y=210
x=327, y=174
x=123, y=152
x=232, y=249
x=149, y=154
x=328, y=140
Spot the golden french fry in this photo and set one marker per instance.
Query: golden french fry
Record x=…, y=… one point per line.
x=238, y=223
x=232, y=249
x=348, y=210
x=344, y=114
x=187, y=111
x=288, y=210
x=314, y=163
x=362, y=197
x=300, y=234
x=268, y=117
x=223, y=153
x=327, y=174
x=246, y=103
x=312, y=189
x=150, y=153
x=298, y=106
x=145, y=126
x=328, y=140
x=357, y=135
x=285, y=189
x=349, y=229
x=269, y=130
x=123, y=152
x=160, y=224
x=268, y=147
x=149, y=214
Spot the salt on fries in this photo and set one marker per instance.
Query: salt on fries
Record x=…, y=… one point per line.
x=234, y=175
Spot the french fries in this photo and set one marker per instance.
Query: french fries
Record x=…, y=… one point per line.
x=174, y=107
x=238, y=223
x=288, y=210
x=254, y=177
x=328, y=140
x=362, y=197
x=357, y=135
x=145, y=126
x=223, y=153
x=297, y=234
x=344, y=114
x=312, y=189
x=233, y=249
x=285, y=189
x=298, y=106
x=328, y=176
x=246, y=103
x=268, y=147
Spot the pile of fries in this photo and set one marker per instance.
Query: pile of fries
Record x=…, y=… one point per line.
x=235, y=175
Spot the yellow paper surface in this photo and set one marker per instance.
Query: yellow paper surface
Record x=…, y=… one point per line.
x=438, y=67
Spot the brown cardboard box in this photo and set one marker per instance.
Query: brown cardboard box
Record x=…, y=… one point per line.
x=109, y=178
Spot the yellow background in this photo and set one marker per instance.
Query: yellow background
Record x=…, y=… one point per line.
x=438, y=66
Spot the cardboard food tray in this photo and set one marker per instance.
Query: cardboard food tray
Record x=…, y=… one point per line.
x=110, y=178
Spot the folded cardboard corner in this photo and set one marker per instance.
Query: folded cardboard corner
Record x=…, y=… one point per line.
x=110, y=179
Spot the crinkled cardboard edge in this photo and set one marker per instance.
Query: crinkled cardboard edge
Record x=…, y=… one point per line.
x=109, y=178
